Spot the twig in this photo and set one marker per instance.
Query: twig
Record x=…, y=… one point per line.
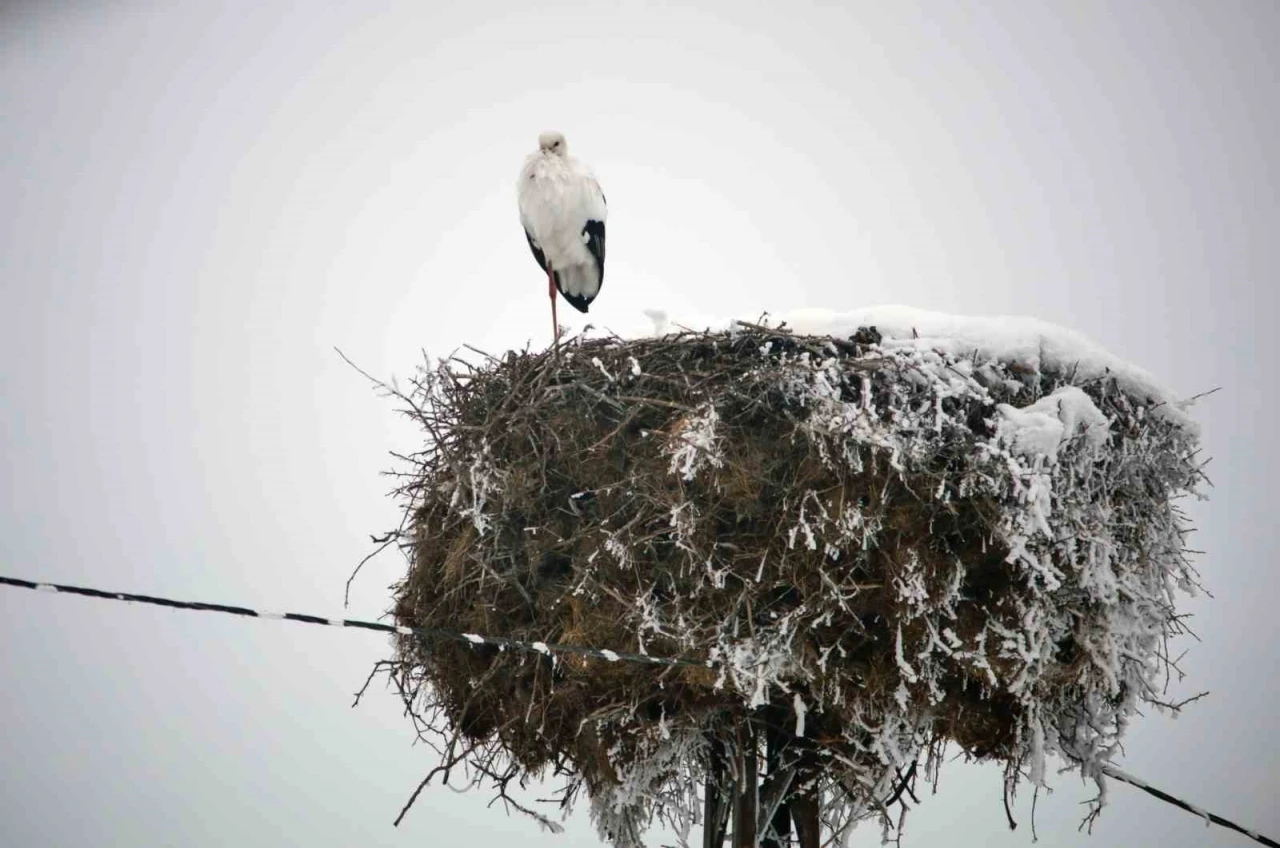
x=761, y=328
x=383, y=542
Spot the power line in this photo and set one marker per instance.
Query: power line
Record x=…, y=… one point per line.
x=1124, y=777
x=545, y=648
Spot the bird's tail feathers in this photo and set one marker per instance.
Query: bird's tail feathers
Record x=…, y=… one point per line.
x=579, y=284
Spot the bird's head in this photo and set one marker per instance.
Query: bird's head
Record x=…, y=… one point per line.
x=553, y=142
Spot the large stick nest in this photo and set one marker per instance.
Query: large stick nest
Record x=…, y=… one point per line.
x=871, y=548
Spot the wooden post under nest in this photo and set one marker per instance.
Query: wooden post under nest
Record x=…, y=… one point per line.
x=745, y=789
x=717, y=803
x=777, y=831
x=763, y=813
x=805, y=810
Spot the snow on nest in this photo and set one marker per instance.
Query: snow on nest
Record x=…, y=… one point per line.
x=1041, y=428
x=1028, y=343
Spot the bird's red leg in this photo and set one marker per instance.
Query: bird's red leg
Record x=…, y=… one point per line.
x=555, y=323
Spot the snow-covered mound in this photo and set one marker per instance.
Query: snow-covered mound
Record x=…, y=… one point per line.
x=1022, y=343
x=867, y=536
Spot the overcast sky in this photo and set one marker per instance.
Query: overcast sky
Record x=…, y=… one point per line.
x=198, y=201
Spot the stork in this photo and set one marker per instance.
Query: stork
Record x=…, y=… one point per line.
x=563, y=212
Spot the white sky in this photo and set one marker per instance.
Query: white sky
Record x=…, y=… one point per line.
x=199, y=200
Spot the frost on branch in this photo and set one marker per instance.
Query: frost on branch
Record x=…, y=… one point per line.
x=871, y=549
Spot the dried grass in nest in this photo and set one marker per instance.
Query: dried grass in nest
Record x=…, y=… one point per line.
x=846, y=531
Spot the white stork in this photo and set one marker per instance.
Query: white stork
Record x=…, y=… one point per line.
x=563, y=212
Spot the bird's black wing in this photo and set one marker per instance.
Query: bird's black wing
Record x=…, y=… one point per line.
x=594, y=233
x=537, y=251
